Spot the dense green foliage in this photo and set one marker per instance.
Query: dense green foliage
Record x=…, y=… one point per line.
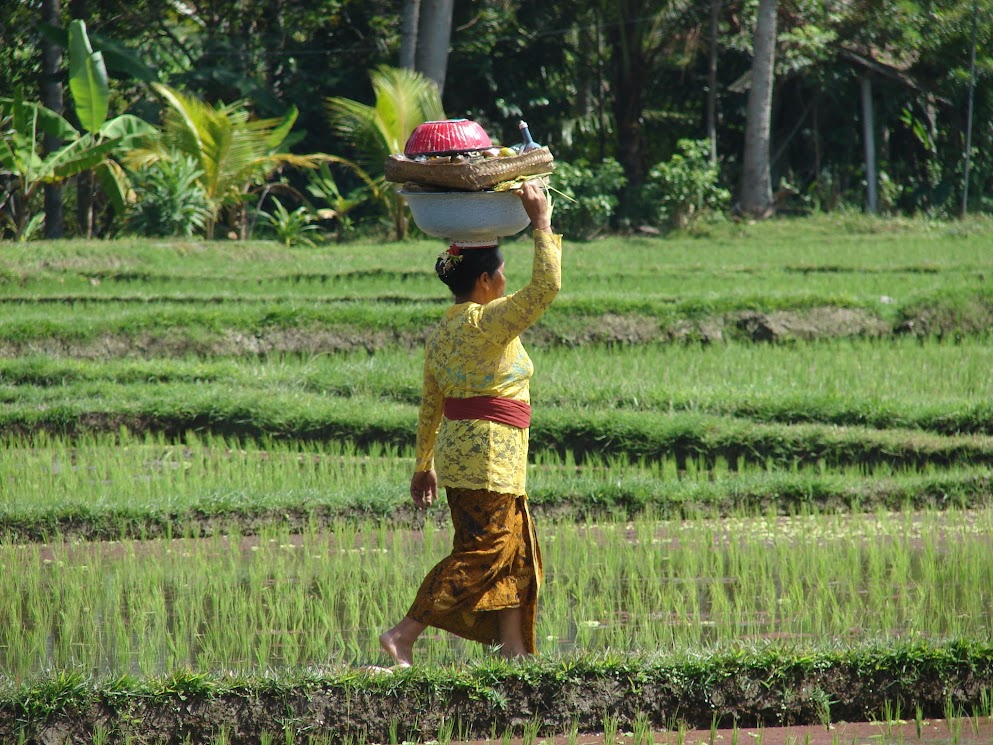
x=686, y=187
x=596, y=81
x=169, y=200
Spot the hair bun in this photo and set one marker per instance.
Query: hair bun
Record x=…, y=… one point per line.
x=459, y=268
x=447, y=263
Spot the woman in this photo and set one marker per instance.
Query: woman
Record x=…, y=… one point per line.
x=473, y=428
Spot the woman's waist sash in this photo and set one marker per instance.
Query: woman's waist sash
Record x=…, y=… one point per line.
x=491, y=408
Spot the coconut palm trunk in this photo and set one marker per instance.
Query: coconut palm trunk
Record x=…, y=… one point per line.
x=756, y=185
x=434, y=32
x=408, y=38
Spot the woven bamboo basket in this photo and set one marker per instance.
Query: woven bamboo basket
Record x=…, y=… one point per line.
x=484, y=174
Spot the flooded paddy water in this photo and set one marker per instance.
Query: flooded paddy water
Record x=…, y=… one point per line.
x=280, y=599
x=955, y=731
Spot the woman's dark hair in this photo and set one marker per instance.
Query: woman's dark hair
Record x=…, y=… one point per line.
x=461, y=272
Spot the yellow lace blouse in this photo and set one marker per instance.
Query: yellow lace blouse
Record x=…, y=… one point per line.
x=476, y=351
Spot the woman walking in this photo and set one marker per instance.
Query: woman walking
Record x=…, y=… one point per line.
x=472, y=439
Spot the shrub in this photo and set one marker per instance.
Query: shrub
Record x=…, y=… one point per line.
x=170, y=200
x=594, y=188
x=290, y=228
x=322, y=186
x=686, y=186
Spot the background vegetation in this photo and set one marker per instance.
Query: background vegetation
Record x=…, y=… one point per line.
x=612, y=87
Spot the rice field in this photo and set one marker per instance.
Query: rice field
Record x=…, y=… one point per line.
x=123, y=486
x=204, y=451
x=902, y=374
x=283, y=600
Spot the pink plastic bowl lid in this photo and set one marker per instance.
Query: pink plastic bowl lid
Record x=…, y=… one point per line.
x=446, y=137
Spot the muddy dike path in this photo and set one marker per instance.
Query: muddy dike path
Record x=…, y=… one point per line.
x=546, y=698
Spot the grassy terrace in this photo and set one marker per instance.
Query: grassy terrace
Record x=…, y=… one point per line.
x=761, y=464
x=193, y=297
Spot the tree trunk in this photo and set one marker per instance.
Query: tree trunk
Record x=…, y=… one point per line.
x=51, y=96
x=630, y=72
x=715, y=18
x=85, y=185
x=408, y=39
x=869, y=136
x=434, y=32
x=756, y=185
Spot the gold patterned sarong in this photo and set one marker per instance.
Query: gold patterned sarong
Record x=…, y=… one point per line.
x=495, y=564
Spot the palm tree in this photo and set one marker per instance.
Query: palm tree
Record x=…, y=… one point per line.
x=756, y=184
x=404, y=99
x=232, y=151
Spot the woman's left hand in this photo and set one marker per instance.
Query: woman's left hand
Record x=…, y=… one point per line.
x=424, y=488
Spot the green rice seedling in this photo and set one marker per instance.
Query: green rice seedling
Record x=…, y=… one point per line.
x=823, y=703
x=953, y=719
x=611, y=723
x=100, y=735
x=529, y=733
x=464, y=730
x=714, y=721
x=975, y=724
x=919, y=721
x=571, y=735
x=446, y=729
x=642, y=730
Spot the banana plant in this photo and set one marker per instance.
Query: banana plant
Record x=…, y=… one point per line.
x=24, y=123
x=90, y=88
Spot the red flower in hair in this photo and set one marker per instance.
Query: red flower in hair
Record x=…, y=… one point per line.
x=454, y=250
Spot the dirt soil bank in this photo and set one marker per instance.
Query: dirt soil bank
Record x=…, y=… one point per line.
x=784, y=326
x=759, y=691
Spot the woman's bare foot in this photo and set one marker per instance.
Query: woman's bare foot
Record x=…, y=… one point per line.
x=398, y=642
x=510, y=653
x=402, y=654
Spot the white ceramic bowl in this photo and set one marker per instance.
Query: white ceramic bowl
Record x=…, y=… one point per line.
x=467, y=215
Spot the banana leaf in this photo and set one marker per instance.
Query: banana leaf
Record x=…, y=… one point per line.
x=87, y=79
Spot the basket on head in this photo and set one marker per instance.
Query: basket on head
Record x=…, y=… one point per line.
x=463, y=176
